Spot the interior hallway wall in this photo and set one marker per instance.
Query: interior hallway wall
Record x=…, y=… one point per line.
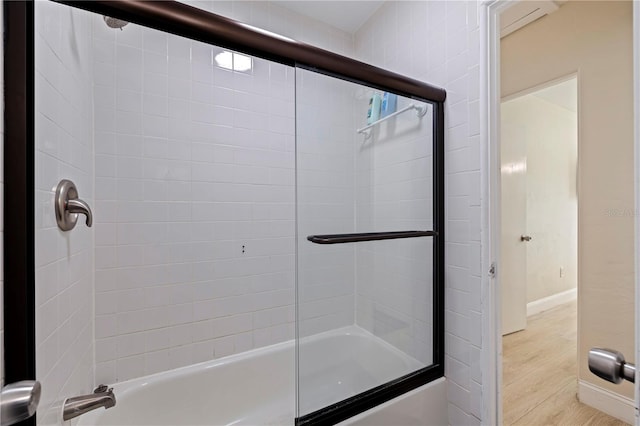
x=550, y=134
x=438, y=42
x=594, y=39
x=64, y=287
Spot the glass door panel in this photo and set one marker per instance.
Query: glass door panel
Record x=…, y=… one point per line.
x=364, y=238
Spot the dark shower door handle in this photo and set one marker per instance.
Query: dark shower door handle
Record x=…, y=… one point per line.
x=367, y=236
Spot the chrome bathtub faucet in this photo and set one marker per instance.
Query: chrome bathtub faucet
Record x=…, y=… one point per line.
x=102, y=396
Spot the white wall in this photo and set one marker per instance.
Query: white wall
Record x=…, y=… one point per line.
x=195, y=164
x=64, y=260
x=438, y=42
x=550, y=133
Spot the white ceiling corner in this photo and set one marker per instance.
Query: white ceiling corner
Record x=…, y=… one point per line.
x=347, y=16
x=564, y=95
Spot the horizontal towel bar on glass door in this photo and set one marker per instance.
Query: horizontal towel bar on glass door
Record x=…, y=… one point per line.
x=367, y=236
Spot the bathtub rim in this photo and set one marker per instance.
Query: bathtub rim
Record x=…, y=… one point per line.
x=127, y=387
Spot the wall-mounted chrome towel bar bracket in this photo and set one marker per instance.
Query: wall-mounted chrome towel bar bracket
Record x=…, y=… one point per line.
x=420, y=112
x=68, y=206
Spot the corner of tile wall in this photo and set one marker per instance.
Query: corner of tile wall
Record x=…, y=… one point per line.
x=442, y=47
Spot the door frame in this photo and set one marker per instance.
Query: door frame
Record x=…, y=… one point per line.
x=19, y=176
x=491, y=364
x=18, y=183
x=636, y=160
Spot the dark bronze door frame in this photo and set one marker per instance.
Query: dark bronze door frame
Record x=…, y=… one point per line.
x=19, y=204
x=186, y=21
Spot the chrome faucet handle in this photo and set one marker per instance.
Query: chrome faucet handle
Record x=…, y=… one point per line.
x=79, y=206
x=68, y=206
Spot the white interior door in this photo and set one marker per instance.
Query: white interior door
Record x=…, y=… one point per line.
x=514, y=220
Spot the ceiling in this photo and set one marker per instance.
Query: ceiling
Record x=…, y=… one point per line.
x=345, y=15
x=564, y=94
x=349, y=15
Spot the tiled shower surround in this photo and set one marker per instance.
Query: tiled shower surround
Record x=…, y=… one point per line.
x=64, y=260
x=194, y=202
x=195, y=213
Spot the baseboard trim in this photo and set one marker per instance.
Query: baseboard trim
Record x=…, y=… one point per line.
x=552, y=301
x=615, y=405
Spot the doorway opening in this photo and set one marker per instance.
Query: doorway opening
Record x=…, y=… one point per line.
x=543, y=374
x=539, y=155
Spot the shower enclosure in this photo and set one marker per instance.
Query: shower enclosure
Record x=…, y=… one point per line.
x=242, y=207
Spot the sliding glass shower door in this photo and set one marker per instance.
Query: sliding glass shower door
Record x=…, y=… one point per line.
x=194, y=207
x=365, y=279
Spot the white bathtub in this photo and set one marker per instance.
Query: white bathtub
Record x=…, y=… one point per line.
x=258, y=387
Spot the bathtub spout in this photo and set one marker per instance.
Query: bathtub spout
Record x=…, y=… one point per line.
x=102, y=396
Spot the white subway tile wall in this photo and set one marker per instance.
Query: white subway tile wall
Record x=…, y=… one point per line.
x=195, y=204
x=195, y=201
x=438, y=42
x=64, y=260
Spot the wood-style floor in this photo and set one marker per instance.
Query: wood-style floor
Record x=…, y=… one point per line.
x=539, y=373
